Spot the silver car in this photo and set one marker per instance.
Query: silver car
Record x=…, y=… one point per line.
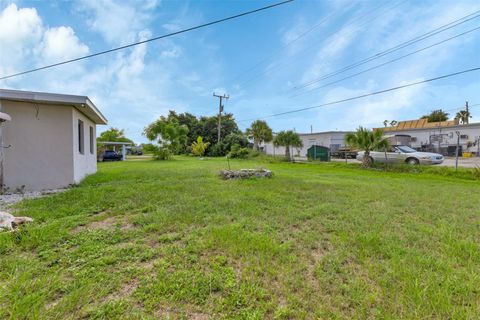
x=403, y=154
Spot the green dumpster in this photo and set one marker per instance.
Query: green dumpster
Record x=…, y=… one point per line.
x=318, y=153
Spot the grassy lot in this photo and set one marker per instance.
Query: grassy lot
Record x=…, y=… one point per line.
x=146, y=239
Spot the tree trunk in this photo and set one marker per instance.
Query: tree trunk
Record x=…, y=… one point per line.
x=255, y=145
x=287, y=152
x=366, y=163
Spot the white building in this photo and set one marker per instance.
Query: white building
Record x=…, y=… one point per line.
x=50, y=141
x=439, y=137
x=330, y=139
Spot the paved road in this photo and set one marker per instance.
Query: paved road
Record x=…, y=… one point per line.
x=448, y=162
x=462, y=162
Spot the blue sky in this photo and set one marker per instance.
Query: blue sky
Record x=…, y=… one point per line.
x=258, y=60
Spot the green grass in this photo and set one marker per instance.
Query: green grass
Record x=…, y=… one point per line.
x=152, y=239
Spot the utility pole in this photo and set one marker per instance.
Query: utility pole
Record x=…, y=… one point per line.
x=468, y=114
x=220, y=110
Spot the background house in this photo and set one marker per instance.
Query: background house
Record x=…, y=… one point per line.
x=438, y=137
x=50, y=141
x=331, y=139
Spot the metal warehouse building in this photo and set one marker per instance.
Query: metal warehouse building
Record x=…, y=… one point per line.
x=331, y=139
x=439, y=137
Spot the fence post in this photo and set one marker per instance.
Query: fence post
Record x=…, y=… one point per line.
x=456, y=150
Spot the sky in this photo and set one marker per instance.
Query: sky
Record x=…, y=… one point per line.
x=261, y=61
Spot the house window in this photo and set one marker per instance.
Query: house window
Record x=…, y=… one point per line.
x=81, y=138
x=91, y=140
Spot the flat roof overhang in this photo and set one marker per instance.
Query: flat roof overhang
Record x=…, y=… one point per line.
x=82, y=103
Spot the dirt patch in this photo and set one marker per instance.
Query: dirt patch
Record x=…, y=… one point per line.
x=126, y=290
x=105, y=224
x=173, y=312
x=54, y=302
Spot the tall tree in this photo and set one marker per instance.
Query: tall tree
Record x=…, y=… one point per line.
x=260, y=132
x=168, y=133
x=208, y=127
x=436, y=116
x=463, y=116
x=367, y=140
x=288, y=139
x=113, y=135
x=188, y=120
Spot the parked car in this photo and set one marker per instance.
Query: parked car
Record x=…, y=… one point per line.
x=403, y=154
x=110, y=155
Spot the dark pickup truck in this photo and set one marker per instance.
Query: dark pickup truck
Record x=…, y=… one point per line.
x=343, y=153
x=110, y=155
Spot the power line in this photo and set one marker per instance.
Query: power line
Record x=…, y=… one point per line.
x=367, y=94
x=388, y=62
x=402, y=45
x=148, y=40
x=448, y=110
x=278, y=65
x=303, y=34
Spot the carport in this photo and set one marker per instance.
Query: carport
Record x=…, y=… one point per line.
x=114, y=144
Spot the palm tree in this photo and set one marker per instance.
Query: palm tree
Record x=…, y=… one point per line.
x=288, y=139
x=367, y=140
x=199, y=147
x=463, y=116
x=260, y=132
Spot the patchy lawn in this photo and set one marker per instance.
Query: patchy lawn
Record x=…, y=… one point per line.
x=150, y=239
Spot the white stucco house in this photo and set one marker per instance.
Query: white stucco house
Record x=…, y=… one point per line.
x=50, y=141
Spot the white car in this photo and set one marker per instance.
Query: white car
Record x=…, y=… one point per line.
x=403, y=154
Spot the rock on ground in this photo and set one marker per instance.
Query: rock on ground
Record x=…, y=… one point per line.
x=246, y=173
x=8, y=221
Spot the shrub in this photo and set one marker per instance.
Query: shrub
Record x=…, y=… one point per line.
x=223, y=148
x=239, y=152
x=162, y=153
x=476, y=172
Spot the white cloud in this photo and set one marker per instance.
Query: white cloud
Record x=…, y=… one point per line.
x=60, y=44
x=172, y=27
x=118, y=22
x=20, y=31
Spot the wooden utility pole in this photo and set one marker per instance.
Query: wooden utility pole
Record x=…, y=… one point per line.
x=220, y=110
x=468, y=113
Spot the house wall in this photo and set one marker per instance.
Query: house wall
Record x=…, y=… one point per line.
x=40, y=155
x=332, y=140
x=86, y=163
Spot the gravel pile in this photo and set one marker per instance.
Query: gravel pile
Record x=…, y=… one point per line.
x=7, y=200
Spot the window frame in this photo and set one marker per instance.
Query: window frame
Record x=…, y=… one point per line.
x=92, y=139
x=81, y=136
